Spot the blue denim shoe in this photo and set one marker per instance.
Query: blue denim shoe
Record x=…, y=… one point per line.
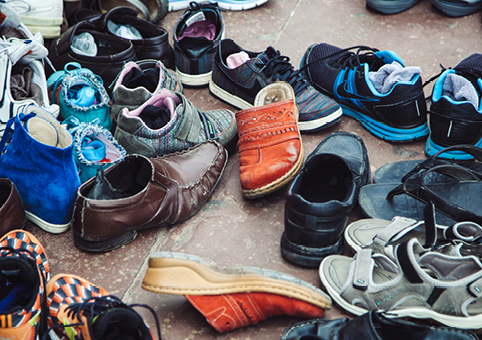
x=81, y=94
x=232, y=5
x=375, y=88
x=238, y=75
x=94, y=147
x=37, y=156
x=456, y=111
x=196, y=38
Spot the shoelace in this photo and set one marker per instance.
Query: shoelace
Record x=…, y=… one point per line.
x=468, y=73
x=20, y=6
x=347, y=58
x=93, y=307
x=280, y=68
x=195, y=6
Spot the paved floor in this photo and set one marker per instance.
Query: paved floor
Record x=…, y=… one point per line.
x=232, y=231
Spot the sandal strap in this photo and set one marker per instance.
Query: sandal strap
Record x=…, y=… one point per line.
x=417, y=187
x=433, y=160
x=363, y=268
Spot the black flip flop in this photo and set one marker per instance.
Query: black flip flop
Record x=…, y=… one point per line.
x=457, y=201
x=399, y=171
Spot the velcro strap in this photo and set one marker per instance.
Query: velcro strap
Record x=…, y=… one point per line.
x=475, y=288
x=363, y=268
x=191, y=123
x=406, y=265
x=398, y=225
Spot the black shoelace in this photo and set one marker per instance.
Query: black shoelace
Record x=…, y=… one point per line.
x=348, y=59
x=280, y=68
x=195, y=6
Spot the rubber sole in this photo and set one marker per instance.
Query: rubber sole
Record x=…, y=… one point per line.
x=385, y=132
x=193, y=80
x=228, y=97
x=48, y=227
x=457, y=10
x=390, y=6
x=181, y=274
x=432, y=148
x=308, y=257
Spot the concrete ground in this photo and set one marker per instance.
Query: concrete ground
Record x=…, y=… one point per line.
x=232, y=231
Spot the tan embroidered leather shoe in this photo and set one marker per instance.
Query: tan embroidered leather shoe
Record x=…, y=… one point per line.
x=141, y=192
x=270, y=147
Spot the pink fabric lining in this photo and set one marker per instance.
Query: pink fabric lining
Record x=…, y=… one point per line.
x=162, y=98
x=237, y=59
x=200, y=29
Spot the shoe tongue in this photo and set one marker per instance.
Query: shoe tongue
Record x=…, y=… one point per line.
x=17, y=283
x=270, y=53
x=136, y=78
x=117, y=324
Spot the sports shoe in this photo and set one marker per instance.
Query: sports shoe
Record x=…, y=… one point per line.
x=24, y=272
x=37, y=156
x=136, y=83
x=168, y=122
x=78, y=309
x=374, y=87
x=196, y=38
x=238, y=75
x=230, y=298
x=457, y=8
x=233, y=5
x=26, y=83
x=391, y=6
x=80, y=94
x=455, y=112
x=44, y=16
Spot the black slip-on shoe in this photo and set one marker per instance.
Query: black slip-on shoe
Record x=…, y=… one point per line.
x=320, y=199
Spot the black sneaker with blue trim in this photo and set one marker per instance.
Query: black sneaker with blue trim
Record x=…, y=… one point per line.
x=374, y=87
x=456, y=110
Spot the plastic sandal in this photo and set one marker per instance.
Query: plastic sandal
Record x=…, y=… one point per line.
x=457, y=201
x=421, y=284
x=399, y=171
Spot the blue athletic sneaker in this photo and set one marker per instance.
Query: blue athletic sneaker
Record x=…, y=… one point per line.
x=232, y=5
x=375, y=88
x=455, y=111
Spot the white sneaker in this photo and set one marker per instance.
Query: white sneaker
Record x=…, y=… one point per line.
x=44, y=16
x=26, y=52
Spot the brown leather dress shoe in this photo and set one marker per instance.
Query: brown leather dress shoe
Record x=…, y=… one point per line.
x=112, y=52
x=270, y=148
x=141, y=192
x=12, y=211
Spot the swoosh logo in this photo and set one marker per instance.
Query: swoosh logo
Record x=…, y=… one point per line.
x=251, y=92
x=343, y=92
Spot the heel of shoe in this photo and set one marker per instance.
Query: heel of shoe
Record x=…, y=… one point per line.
x=105, y=245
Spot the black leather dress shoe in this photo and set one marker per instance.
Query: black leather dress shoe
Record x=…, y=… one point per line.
x=320, y=199
x=372, y=326
x=155, y=40
x=112, y=52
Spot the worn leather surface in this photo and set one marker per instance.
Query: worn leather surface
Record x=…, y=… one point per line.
x=230, y=311
x=269, y=143
x=176, y=187
x=12, y=211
